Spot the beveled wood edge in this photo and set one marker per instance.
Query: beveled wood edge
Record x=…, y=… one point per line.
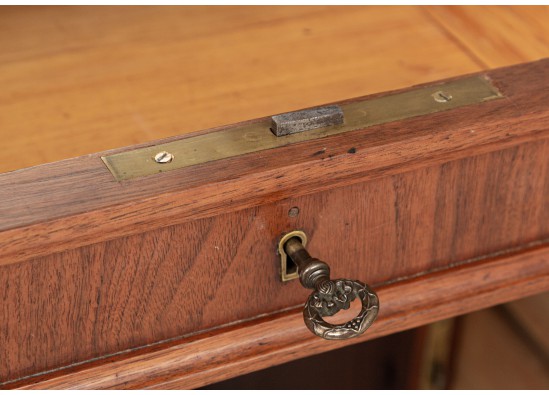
x=170, y=207
x=259, y=344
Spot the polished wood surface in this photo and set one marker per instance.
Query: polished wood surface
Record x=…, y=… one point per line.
x=226, y=353
x=77, y=80
x=446, y=213
x=149, y=287
x=497, y=36
x=413, y=197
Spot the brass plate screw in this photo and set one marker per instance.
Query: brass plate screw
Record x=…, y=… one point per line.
x=442, y=97
x=163, y=157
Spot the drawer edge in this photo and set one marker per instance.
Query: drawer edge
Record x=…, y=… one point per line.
x=225, y=353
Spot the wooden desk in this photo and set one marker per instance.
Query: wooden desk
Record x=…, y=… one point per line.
x=147, y=282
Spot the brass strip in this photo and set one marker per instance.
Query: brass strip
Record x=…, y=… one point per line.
x=240, y=140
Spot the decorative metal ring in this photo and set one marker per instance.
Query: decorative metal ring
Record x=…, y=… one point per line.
x=333, y=296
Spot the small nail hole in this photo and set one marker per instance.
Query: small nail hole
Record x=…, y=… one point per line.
x=293, y=212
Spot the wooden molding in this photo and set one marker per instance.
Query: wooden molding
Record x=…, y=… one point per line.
x=225, y=353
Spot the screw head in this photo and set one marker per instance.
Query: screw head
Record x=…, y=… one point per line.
x=163, y=157
x=442, y=97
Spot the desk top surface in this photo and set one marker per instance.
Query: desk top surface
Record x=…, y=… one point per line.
x=77, y=80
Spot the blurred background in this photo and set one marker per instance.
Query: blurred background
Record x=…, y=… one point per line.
x=77, y=80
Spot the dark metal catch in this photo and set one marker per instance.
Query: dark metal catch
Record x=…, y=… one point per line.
x=301, y=121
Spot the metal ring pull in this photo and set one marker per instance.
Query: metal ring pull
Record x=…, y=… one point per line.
x=331, y=296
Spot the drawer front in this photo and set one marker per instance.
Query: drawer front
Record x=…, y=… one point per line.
x=126, y=293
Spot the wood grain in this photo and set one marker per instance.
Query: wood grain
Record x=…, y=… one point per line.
x=85, y=205
x=77, y=80
x=194, y=362
x=154, y=72
x=91, y=267
x=135, y=290
x=497, y=36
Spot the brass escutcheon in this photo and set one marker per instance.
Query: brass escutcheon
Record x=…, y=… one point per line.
x=292, y=274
